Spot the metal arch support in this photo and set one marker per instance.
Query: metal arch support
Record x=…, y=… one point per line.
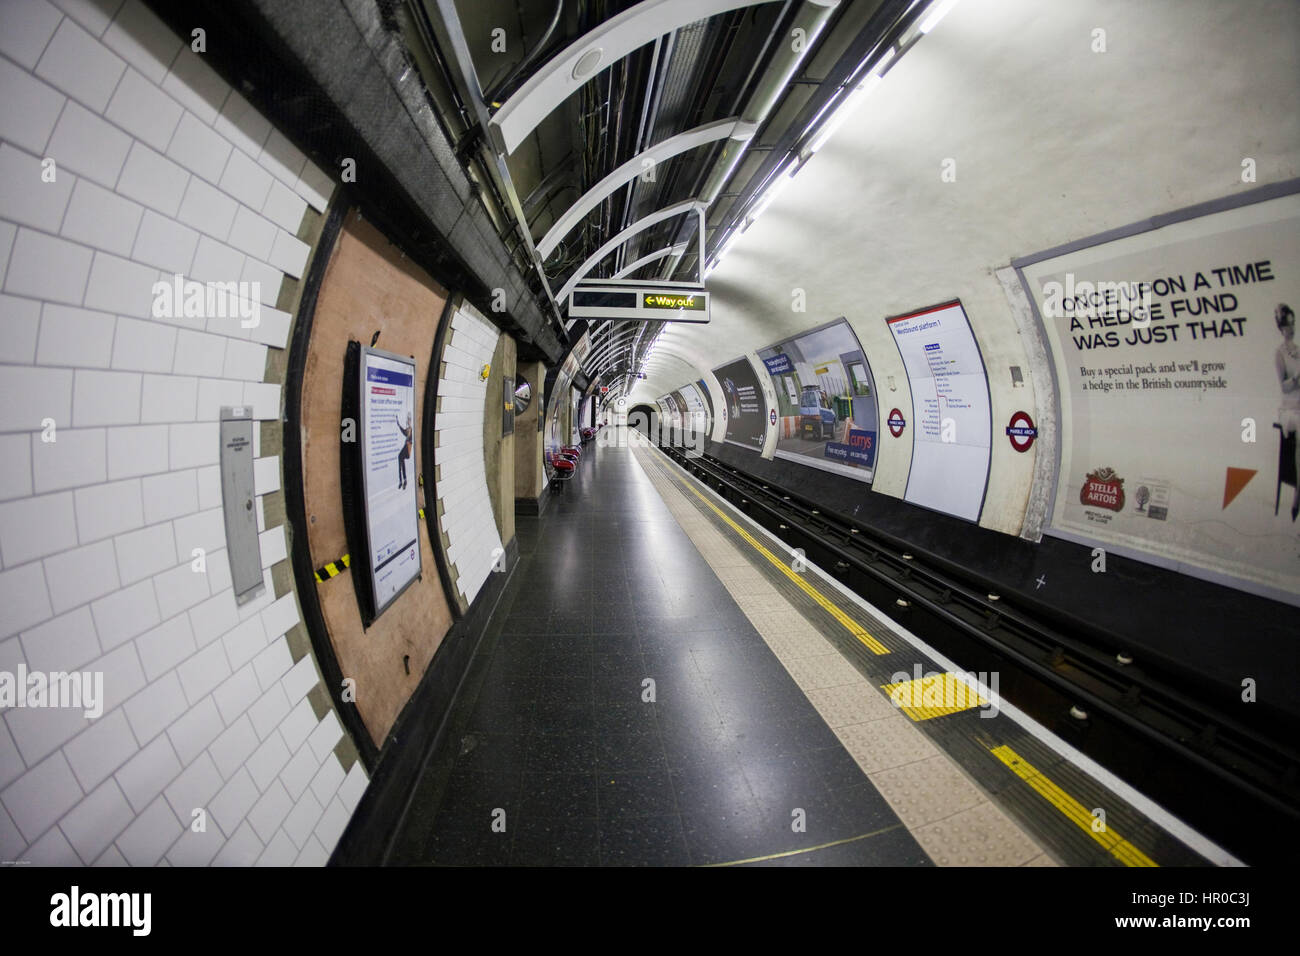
x=651, y=257
x=463, y=61
x=607, y=335
x=615, y=346
x=642, y=224
x=612, y=351
x=731, y=128
x=593, y=53
x=699, y=260
x=611, y=356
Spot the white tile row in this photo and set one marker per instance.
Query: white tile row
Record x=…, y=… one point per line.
x=466, y=510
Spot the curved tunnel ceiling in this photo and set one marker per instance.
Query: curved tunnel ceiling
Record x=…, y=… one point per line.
x=561, y=110
x=1050, y=142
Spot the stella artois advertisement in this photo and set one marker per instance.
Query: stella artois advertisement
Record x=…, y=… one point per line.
x=1179, y=376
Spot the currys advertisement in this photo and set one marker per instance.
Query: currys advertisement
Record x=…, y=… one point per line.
x=826, y=400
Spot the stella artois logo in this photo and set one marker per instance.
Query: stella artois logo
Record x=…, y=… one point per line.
x=1102, y=489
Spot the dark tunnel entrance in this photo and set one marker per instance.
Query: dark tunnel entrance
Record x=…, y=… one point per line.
x=644, y=418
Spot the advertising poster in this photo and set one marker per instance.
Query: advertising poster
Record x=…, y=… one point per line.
x=694, y=410
x=708, y=399
x=559, y=403
x=743, y=399
x=389, y=471
x=1178, y=372
x=951, y=410
x=663, y=409
x=826, y=401
x=675, y=406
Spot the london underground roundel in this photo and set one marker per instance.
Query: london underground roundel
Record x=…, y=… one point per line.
x=1021, y=431
x=896, y=422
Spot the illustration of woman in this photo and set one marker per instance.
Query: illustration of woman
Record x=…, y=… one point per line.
x=1288, y=370
x=406, y=448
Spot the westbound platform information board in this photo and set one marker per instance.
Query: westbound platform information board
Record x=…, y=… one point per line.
x=389, y=470
x=951, y=409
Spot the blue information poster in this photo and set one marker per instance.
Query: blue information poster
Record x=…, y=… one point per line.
x=390, y=473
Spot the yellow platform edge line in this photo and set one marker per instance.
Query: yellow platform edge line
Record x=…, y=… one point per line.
x=1073, y=810
x=850, y=625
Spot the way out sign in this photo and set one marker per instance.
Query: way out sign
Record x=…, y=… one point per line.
x=1021, y=431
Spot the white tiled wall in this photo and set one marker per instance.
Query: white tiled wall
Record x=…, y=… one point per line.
x=472, y=537
x=160, y=168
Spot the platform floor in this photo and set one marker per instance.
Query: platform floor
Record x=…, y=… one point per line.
x=662, y=686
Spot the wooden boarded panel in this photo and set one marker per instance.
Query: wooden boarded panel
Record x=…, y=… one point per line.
x=369, y=287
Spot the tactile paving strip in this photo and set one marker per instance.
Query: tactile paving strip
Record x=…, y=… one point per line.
x=927, y=791
x=980, y=836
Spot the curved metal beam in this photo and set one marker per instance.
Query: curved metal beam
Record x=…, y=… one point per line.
x=652, y=257
x=642, y=224
x=607, y=350
x=731, y=128
x=593, y=53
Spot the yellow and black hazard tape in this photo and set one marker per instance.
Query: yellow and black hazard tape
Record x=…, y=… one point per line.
x=333, y=568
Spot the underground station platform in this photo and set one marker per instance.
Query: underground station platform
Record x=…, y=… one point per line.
x=515, y=460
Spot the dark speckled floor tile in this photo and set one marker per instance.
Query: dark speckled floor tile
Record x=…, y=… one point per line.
x=560, y=753
x=640, y=752
x=491, y=752
x=634, y=794
x=556, y=841
x=725, y=836
x=473, y=796
x=468, y=846
x=548, y=794
x=643, y=841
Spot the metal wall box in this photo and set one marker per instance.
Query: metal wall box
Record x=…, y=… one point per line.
x=237, y=501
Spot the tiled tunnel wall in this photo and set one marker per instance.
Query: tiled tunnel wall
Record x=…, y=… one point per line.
x=159, y=168
x=464, y=508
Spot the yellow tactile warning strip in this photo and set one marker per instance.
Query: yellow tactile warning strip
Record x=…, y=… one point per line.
x=900, y=761
x=934, y=696
x=1073, y=810
x=850, y=625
